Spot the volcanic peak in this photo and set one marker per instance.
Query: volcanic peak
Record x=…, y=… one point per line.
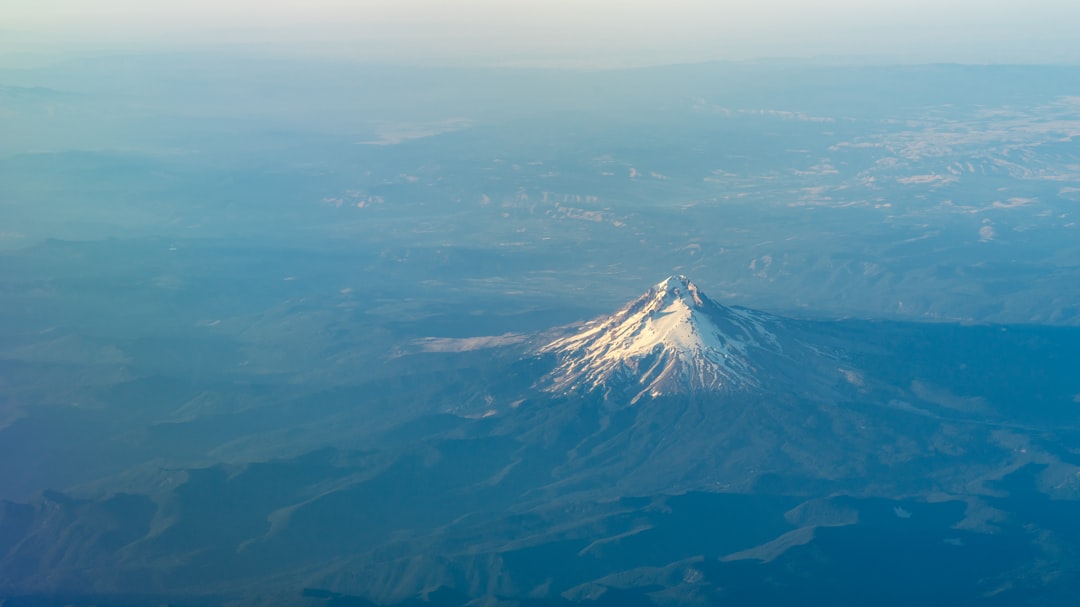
x=670, y=340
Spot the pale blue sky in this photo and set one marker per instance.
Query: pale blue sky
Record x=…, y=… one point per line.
x=585, y=32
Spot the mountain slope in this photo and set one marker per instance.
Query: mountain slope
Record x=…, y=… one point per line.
x=761, y=456
x=670, y=340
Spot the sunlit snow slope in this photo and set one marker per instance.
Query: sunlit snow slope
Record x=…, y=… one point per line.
x=671, y=340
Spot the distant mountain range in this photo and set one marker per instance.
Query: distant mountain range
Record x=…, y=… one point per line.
x=677, y=452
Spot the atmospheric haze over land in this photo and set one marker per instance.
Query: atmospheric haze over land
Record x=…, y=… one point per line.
x=530, y=304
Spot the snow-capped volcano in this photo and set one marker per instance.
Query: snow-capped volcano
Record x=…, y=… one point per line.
x=671, y=340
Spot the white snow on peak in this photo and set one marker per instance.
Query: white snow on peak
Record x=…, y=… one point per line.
x=672, y=339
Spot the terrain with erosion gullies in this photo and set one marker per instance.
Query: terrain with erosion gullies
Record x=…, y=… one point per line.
x=714, y=334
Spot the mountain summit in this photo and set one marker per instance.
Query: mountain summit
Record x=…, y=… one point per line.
x=670, y=340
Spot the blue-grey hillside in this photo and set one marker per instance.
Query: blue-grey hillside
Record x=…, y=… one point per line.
x=675, y=452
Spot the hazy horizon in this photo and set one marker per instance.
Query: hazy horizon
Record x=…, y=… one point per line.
x=600, y=34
